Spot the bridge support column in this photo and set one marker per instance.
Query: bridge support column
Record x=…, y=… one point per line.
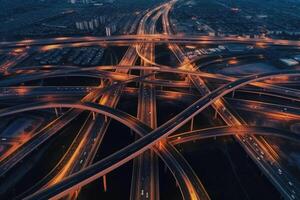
x=94, y=116
x=233, y=93
x=216, y=115
x=102, y=83
x=56, y=112
x=192, y=124
x=106, y=119
x=104, y=183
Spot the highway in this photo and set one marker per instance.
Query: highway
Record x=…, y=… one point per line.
x=233, y=119
x=189, y=184
x=100, y=73
x=83, y=151
x=231, y=130
x=284, y=112
x=100, y=124
x=145, y=38
x=102, y=167
x=51, y=129
x=139, y=74
x=145, y=177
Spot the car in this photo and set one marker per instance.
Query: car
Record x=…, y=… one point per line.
x=290, y=183
x=293, y=191
x=262, y=156
x=258, y=158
